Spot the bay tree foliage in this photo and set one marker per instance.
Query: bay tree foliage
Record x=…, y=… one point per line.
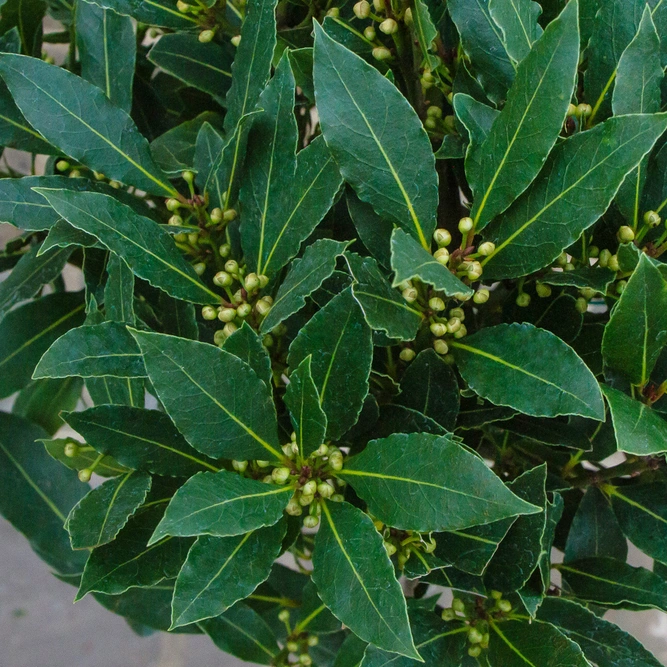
x=371, y=295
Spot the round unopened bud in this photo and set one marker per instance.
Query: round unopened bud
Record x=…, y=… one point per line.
x=183, y=7
x=571, y=110
x=487, y=248
x=496, y=595
x=561, y=260
x=613, y=263
x=442, y=237
x=305, y=500
x=581, y=305
x=438, y=329
x=410, y=294
x=604, y=258
x=475, y=636
x=407, y=354
x=381, y=53
x=379, y=5
x=280, y=475
x=389, y=26
x=334, y=12
x=593, y=251
x=569, y=267
x=224, y=250
x=369, y=33
x=62, y=165
x=235, y=40
x=523, y=300
x=652, y=219
x=475, y=271
x=193, y=238
x=116, y=185
x=263, y=280
x=626, y=234
x=200, y=268
x=441, y=255
x=407, y=16
x=227, y=314
x=448, y=614
x=431, y=124
x=85, y=475
x=475, y=651
x=434, y=112
x=453, y=325
x=584, y=110
x=466, y=225
x=172, y=204
x=71, y=450
x=440, y=346
x=229, y=329
x=620, y=286
x=587, y=292
x=189, y=176
x=292, y=647
x=322, y=450
x=283, y=615
x=362, y=9
x=462, y=331
x=263, y=307
x=505, y=606
x=309, y=488
x=240, y=466
x=543, y=291
x=232, y=266
x=209, y=312
x=216, y=215
x=337, y=498
x=219, y=337
x=458, y=605
x=458, y=312
x=251, y=282
x=175, y=220
x=75, y=173
x=180, y=238
x=244, y=310
x=336, y=461
x=481, y=296
x=436, y=303
x=262, y=464
x=313, y=640
x=311, y=522
x=229, y=215
x=389, y=548
x=325, y=489
x=288, y=449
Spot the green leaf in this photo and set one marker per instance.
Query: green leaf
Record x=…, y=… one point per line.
x=477, y=120
x=637, y=330
x=530, y=370
x=303, y=401
x=409, y=261
x=430, y=386
x=242, y=632
x=602, y=642
x=609, y=582
x=220, y=571
x=405, y=484
x=426, y=32
x=162, y=13
x=222, y=504
x=203, y=66
x=216, y=400
x=77, y=117
x=36, y=493
x=340, y=341
x=127, y=562
x=145, y=440
x=639, y=429
x=148, y=250
x=374, y=231
x=595, y=530
x=517, y=643
x=178, y=317
x=27, y=18
x=97, y=350
x=245, y=344
x=98, y=517
x=28, y=331
x=363, y=593
x=642, y=514
x=596, y=278
x=518, y=22
x=107, y=51
x=305, y=276
x=313, y=616
x=84, y=458
x=119, y=291
x=32, y=272
x=519, y=553
x=573, y=190
x=385, y=308
x=369, y=143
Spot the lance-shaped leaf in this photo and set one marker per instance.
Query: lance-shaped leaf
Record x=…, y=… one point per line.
x=84, y=458
x=98, y=517
x=95, y=350
x=404, y=486
x=642, y=514
x=30, y=274
x=596, y=278
x=220, y=571
x=425, y=30
x=638, y=428
x=370, y=137
x=530, y=370
x=603, y=643
x=245, y=344
x=608, y=582
x=521, y=139
x=216, y=400
x=162, y=13
x=409, y=260
x=119, y=291
x=127, y=562
x=36, y=493
x=385, y=308
x=518, y=22
x=77, y=117
x=637, y=329
x=28, y=331
x=107, y=51
x=222, y=504
x=573, y=190
x=303, y=401
x=21, y=26
x=203, y=66
x=178, y=317
x=528, y=644
x=140, y=439
x=41, y=402
x=364, y=594
x=477, y=120
x=374, y=231
x=149, y=251
x=305, y=276
x=340, y=342
x=62, y=234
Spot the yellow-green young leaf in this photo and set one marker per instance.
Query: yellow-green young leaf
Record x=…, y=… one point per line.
x=220, y=571
x=149, y=250
x=527, y=128
x=145, y=440
x=639, y=429
x=95, y=350
x=162, y=13
x=303, y=401
x=245, y=344
x=424, y=482
x=339, y=341
x=216, y=400
x=355, y=579
x=222, y=504
x=637, y=330
x=77, y=117
x=371, y=135
x=518, y=22
x=98, y=517
x=573, y=190
x=530, y=370
x=107, y=51
x=36, y=493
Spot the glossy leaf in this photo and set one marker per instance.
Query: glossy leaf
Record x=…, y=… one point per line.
x=374, y=231
x=84, y=458
x=245, y=344
x=153, y=12
x=119, y=291
x=597, y=279
x=530, y=370
x=372, y=157
x=518, y=23
x=364, y=594
x=460, y=494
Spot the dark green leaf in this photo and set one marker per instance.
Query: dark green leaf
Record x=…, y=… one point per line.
x=27, y=17
x=374, y=231
x=152, y=12
x=548, y=431
x=15, y=131
x=119, y=291
x=313, y=615
x=595, y=278
x=178, y=317
x=84, y=458
x=518, y=22
x=245, y=344
x=426, y=32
